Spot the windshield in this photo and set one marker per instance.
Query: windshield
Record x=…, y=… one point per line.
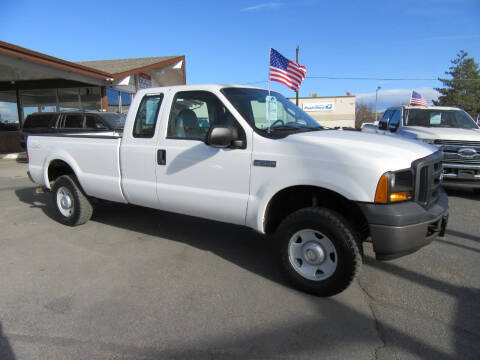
x=269, y=113
x=116, y=121
x=440, y=118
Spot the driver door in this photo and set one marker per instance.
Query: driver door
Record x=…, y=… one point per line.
x=194, y=178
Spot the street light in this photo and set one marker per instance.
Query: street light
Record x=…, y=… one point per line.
x=376, y=102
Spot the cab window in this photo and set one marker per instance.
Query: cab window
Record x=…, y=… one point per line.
x=94, y=122
x=73, y=121
x=147, y=114
x=194, y=112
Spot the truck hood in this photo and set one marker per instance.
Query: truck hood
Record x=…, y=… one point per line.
x=386, y=153
x=433, y=133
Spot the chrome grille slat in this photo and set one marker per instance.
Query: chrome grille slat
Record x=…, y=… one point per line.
x=458, y=143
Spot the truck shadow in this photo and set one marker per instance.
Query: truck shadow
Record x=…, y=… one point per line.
x=6, y=351
x=237, y=244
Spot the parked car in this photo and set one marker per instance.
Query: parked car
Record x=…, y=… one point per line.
x=450, y=129
x=71, y=123
x=320, y=192
x=5, y=126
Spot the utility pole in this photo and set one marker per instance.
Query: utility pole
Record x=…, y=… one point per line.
x=296, y=59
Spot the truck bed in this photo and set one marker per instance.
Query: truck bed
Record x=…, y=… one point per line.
x=94, y=158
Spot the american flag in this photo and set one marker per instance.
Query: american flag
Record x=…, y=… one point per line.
x=286, y=71
x=417, y=99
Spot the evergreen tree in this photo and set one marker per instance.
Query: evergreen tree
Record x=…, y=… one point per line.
x=463, y=89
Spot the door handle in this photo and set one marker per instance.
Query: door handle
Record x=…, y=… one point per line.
x=161, y=157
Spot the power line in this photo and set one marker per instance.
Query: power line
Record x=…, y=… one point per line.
x=363, y=78
x=375, y=78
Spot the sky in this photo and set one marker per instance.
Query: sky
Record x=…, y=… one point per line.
x=228, y=41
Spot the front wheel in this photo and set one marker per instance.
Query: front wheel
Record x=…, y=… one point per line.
x=319, y=252
x=71, y=204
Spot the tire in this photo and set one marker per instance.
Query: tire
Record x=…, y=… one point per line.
x=319, y=252
x=71, y=204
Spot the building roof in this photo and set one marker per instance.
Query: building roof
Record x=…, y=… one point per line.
x=101, y=69
x=127, y=66
x=34, y=56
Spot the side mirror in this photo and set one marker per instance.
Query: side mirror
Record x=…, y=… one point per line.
x=222, y=136
x=393, y=127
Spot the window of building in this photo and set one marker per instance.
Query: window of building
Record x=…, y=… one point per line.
x=42, y=100
x=69, y=99
x=8, y=111
x=90, y=98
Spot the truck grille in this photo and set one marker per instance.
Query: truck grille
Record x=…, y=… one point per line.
x=466, y=152
x=428, y=178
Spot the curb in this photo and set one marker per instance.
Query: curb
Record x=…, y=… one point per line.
x=13, y=156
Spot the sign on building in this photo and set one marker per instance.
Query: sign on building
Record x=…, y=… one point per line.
x=323, y=106
x=144, y=81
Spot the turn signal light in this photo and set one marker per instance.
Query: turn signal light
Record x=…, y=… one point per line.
x=400, y=196
x=381, y=194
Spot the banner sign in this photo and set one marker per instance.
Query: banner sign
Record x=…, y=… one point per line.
x=310, y=107
x=144, y=81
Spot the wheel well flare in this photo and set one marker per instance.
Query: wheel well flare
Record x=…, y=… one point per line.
x=57, y=168
x=291, y=199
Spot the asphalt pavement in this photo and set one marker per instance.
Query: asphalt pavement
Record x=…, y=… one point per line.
x=135, y=283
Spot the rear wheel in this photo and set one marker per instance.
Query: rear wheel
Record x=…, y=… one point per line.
x=319, y=251
x=71, y=204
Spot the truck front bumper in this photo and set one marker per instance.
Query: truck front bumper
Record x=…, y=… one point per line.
x=403, y=228
x=461, y=175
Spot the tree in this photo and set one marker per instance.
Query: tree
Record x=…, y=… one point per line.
x=363, y=114
x=463, y=89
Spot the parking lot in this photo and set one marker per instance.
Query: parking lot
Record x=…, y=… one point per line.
x=135, y=283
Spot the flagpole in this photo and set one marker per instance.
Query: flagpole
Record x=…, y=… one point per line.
x=296, y=92
x=268, y=105
x=411, y=95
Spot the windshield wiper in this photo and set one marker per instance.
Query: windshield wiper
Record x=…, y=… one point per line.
x=285, y=127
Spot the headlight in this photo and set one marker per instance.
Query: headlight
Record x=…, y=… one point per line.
x=394, y=186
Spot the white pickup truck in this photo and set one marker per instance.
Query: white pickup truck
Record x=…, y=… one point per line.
x=451, y=129
x=212, y=151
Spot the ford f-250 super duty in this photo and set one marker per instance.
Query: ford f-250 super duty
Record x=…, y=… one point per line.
x=246, y=156
x=451, y=129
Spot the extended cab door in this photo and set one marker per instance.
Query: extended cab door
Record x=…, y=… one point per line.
x=138, y=163
x=197, y=179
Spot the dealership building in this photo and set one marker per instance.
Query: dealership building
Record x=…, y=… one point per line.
x=34, y=82
x=330, y=111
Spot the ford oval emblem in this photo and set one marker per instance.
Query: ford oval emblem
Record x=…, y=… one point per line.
x=467, y=152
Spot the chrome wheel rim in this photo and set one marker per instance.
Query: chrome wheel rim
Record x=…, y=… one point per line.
x=65, y=202
x=312, y=254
